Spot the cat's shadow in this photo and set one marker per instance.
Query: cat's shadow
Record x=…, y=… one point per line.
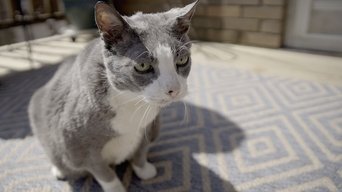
x=16, y=90
x=189, y=153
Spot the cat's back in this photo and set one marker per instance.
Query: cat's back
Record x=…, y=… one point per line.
x=49, y=102
x=44, y=97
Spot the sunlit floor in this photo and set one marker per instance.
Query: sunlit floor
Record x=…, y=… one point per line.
x=278, y=62
x=46, y=51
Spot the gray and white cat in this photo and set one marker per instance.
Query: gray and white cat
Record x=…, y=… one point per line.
x=101, y=108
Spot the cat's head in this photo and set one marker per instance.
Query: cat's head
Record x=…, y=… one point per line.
x=147, y=54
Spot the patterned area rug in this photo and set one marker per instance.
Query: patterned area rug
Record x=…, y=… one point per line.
x=236, y=131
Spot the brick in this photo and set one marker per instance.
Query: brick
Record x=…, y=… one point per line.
x=145, y=8
x=273, y=2
x=221, y=35
x=148, y=6
x=207, y=22
x=167, y=2
x=265, y=12
x=261, y=39
x=247, y=24
x=218, y=10
x=231, y=2
x=241, y=24
x=272, y=26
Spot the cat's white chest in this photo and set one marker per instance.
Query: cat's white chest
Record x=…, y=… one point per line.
x=129, y=124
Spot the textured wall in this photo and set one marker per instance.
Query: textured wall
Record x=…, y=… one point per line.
x=250, y=22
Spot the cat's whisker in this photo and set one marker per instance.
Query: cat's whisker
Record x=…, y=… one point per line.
x=185, y=118
x=187, y=113
x=192, y=41
x=181, y=48
x=142, y=99
x=117, y=95
x=134, y=113
x=148, y=50
x=148, y=110
x=141, y=54
x=184, y=45
x=131, y=100
x=142, y=118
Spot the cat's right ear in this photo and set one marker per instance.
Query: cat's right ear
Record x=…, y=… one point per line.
x=109, y=22
x=184, y=19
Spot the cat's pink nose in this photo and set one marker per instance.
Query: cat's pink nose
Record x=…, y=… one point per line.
x=173, y=93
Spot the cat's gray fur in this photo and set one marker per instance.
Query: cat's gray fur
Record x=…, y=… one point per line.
x=70, y=115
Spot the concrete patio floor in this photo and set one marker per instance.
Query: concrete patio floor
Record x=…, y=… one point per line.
x=279, y=62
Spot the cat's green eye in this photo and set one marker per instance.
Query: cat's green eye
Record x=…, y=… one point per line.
x=143, y=67
x=183, y=60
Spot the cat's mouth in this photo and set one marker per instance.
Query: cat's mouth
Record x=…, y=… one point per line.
x=160, y=102
x=163, y=102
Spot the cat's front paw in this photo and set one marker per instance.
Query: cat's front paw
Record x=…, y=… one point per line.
x=57, y=173
x=113, y=186
x=148, y=171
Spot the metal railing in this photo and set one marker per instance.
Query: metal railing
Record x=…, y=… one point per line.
x=17, y=12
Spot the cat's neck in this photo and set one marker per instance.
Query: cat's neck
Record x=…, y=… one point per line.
x=122, y=99
x=131, y=111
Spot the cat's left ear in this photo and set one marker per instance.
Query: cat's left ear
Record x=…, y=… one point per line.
x=110, y=23
x=184, y=20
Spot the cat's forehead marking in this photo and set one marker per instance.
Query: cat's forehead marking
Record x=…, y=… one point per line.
x=165, y=60
x=152, y=29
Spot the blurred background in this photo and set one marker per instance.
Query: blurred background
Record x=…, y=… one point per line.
x=304, y=24
x=311, y=26
x=265, y=101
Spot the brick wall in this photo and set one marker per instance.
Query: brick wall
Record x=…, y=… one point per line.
x=249, y=22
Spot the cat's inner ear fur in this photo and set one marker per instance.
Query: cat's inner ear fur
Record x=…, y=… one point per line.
x=184, y=20
x=109, y=22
